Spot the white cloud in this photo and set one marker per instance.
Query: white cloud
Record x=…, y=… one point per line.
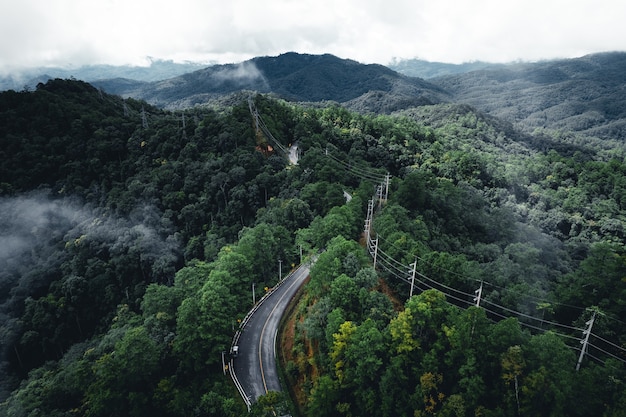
x=76, y=32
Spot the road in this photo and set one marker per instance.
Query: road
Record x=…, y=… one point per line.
x=254, y=369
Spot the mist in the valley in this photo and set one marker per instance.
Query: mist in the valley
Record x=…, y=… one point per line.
x=37, y=233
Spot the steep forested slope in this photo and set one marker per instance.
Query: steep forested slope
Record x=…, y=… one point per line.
x=474, y=208
x=104, y=200
x=137, y=233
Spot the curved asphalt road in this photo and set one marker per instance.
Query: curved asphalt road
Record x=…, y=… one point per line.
x=254, y=370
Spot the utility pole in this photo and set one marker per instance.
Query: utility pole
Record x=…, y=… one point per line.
x=253, y=295
x=379, y=194
x=144, y=118
x=280, y=270
x=223, y=363
x=414, y=265
x=375, y=254
x=479, y=293
x=585, y=341
x=368, y=221
x=255, y=114
x=387, y=178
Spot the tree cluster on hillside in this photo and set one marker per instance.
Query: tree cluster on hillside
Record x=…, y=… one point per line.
x=137, y=233
x=119, y=214
x=470, y=205
x=359, y=350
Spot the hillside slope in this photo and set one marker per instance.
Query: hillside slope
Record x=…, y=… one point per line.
x=583, y=95
x=295, y=77
x=429, y=69
x=134, y=236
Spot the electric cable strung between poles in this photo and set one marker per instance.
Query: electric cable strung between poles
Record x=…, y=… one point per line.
x=520, y=314
x=391, y=265
x=399, y=270
x=395, y=268
x=450, y=272
x=362, y=173
x=260, y=126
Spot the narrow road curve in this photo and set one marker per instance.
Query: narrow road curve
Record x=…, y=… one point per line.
x=254, y=370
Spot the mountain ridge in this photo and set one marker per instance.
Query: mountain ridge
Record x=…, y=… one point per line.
x=584, y=95
x=430, y=69
x=580, y=95
x=293, y=76
x=141, y=256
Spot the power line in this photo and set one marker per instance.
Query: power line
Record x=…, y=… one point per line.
x=260, y=125
x=609, y=343
x=539, y=299
x=401, y=268
x=370, y=173
x=398, y=270
x=356, y=169
x=444, y=285
x=399, y=274
x=607, y=353
x=551, y=302
x=597, y=359
x=520, y=314
x=393, y=263
x=363, y=173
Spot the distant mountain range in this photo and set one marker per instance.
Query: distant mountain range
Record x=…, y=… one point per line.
x=428, y=69
x=163, y=69
x=586, y=95
x=157, y=70
x=295, y=77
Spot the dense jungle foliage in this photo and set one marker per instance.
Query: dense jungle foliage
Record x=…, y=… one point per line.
x=134, y=235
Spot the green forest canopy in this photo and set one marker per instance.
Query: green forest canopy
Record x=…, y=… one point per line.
x=138, y=232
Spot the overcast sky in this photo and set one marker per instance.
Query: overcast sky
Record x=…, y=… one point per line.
x=78, y=32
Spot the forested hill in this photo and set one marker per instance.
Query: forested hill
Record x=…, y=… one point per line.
x=579, y=98
x=427, y=69
x=583, y=95
x=295, y=77
x=132, y=237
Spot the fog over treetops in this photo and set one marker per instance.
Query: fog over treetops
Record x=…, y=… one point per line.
x=40, y=234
